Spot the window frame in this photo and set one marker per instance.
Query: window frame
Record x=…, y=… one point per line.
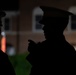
x=72, y=10
x=9, y=15
x=36, y=11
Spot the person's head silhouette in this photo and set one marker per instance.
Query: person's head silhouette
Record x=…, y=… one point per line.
x=54, y=20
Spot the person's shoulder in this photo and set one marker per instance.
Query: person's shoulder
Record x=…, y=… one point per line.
x=3, y=55
x=43, y=42
x=1, y=52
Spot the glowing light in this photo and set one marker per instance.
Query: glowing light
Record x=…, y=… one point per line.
x=3, y=42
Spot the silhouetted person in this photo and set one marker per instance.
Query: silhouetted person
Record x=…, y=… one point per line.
x=53, y=55
x=6, y=67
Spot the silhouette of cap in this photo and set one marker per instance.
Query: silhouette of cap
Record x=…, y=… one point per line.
x=55, y=18
x=2, y=14
x=54, y=12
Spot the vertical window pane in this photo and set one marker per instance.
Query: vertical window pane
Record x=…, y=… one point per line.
x=73, y=22
x=38, y=18
x=6, y=22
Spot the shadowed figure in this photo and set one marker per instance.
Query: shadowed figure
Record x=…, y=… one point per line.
x=6, y=67
x=53, y=55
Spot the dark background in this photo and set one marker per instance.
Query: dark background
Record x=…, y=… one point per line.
x=9, y=5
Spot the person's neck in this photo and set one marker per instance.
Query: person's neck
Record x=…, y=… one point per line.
x=56, y=37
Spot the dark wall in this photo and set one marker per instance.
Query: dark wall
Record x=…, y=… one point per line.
x=9, y=5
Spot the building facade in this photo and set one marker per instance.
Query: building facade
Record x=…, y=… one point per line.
x=24, y=26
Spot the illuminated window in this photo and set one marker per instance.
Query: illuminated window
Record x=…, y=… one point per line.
x=73, y=22
x=38, y=26
x=7, y=20
x=72, y=19
x=36, y=16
